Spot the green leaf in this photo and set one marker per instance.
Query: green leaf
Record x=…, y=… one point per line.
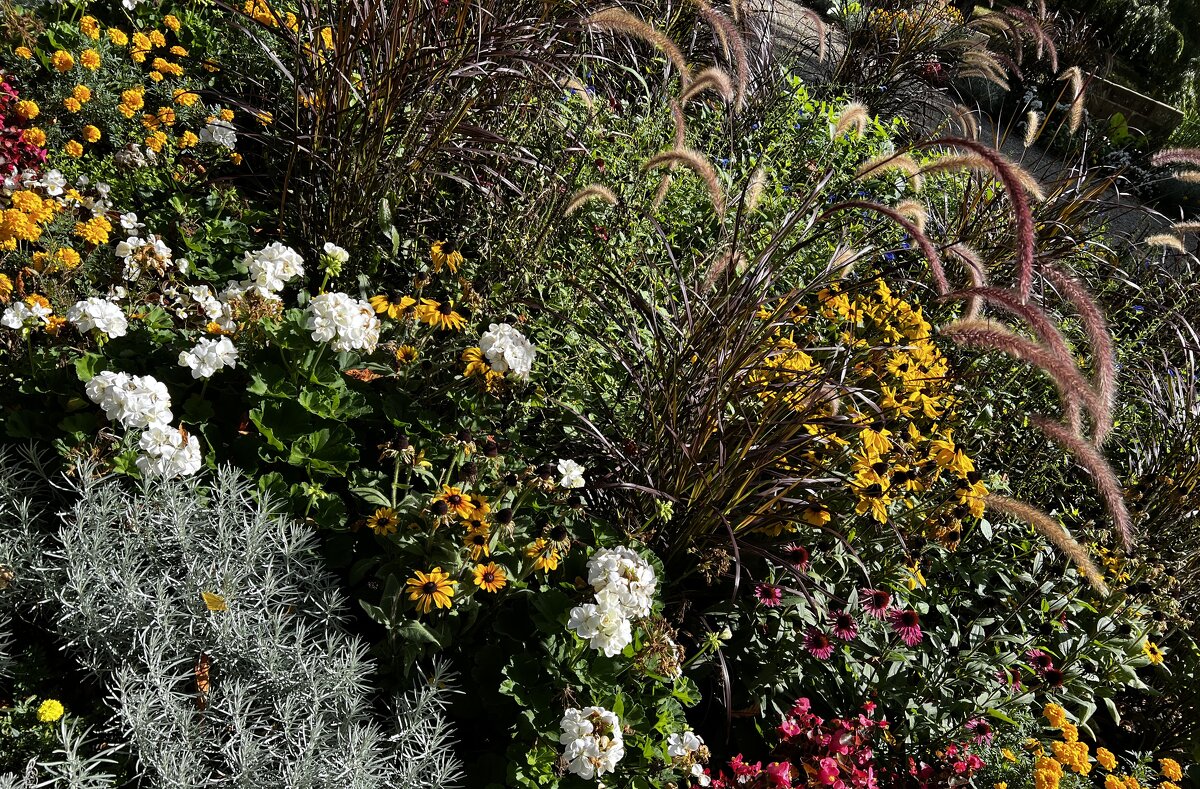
x=88, y=365
x=327, y=451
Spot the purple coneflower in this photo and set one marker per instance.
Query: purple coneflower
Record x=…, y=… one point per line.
x=1040, y=661
x=1053, y=677
x=876, y=602
x=769, y=595
x=907, y=623
x=981, y=730
x=796, y=555
x=818, y=643
x=844, y=626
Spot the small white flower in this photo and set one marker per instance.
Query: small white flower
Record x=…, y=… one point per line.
x=683, y=745
x=208, y=356
x=134, y=401
x=130, y=222
x=335, y=253
x=602, y=624
x=508, y=350
x=99, y=314
x=20, y=313
x=272, y=267
x=218, y=132
x=572, y=474
x=593, y=740
x=168, y=452
x=345, y=323
x=54, y=182
x=625, y=574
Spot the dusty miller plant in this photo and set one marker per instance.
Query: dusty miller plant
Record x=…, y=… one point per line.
x=254, y=683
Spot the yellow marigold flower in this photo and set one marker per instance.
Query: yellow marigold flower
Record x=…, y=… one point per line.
x=94, y=231
x=210, y=66
x=1008, y=754
x=6, y=288
x=1069, y=732
x=155, y=76
x=185, y=98
x=264, y=117
x=117, y=36
x=1113, y=782
x=82, y=94
x=27, y=110
x=188, y=139
x=68, y=258
x=291, y=22
x=1105, y=758
x=1055, y=714
x=72, y=104
x=327, y=37
x=25, y=53
x=1170, y=769
x=235, y=157
x=226, y=114
x=90, y=27
x=178, y=51
x=166, y=116
x=35, y=137
x=62, y=61
x=49, y=711
x=1047, y=773
x=126, y=110
x=133, y=97
x=430, y=589
x=1000, y=785
x=1168, y=785
x=91, y=133
x=73, y=148
x=172, y=22
x=157, y=38
x=156, y=141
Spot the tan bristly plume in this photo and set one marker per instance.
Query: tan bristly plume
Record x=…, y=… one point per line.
x=977, y=164
x=664, y=185
x=1186, y=227
x=720, y=266
x=754, y=189
x=855, y=115
x=1054, y=533
x=914, y=210
x=735, y=47
x=1188, y=176
x=1033, y=125
x=588, y=193
x=843, y=261
x=986, y=66
x=711, y=78
x=966, y=121
x=1166, y=240
x=1075, y=76
x=694, y=160
x=621, y=21
x=902, y=162
x=820, y=30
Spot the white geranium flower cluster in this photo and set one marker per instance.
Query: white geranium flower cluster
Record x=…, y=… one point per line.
x=219, y=132
x=345, y=323
x=168, y=452
x=689, y=753
x=132, y=400
x=208, y=356
x=508, y=350
x=19, y=314
x=624, y=583
x=571, y=474
x=141, y=401
x=99, y=314
x=593, y=741
x=271, y=268
x=148, y=254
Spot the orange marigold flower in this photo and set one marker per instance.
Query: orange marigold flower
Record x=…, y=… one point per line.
x=90, y=59
x=73, y=148
x=62, y=61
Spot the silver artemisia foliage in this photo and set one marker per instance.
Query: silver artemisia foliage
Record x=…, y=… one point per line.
x=288, y=704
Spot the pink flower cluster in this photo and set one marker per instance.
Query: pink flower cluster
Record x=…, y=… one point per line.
x=813, y=752
x=16, y=154
x=954, y=766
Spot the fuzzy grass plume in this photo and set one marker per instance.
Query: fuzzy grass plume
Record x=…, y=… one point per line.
x=854, y=115
x=923, y=243
x=884, y=163
x=1054, y=533
x=1102, y=473
x=735, y=48
x=754, y=189
x=974, y=265
x=1166, y=240
x=618, y=20
x=695, y=161
x=1033, y=125
x=711, y=78
x=1075, y=77
x=587, y=194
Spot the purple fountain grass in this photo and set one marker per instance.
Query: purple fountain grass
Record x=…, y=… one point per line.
x=698, y=164
x=926, y=246
x=664, y=185
x=1053, y=532
x=618, y=20
x=735, y=45
x=754, y=189
x=974, y=265
x=883, y=163
x=854, y=115
x=588, y=193
x=1106, y=479
x=711, y=78
x=1104, y=378
x=1006, y=171
x=1189, y=156
x=1075, y=77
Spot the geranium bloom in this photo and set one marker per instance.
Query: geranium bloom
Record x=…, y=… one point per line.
x=844, y=626
x=168, y=452
x=507, y=350
x=907, y=623
x=345, y=323
x=818, y=644
x=769, y=595
x=570, y=474
x=593, y=741
x=876, y=602
x=430, y=589
x=208, y=356
x=627, y=575
x=602, y=624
